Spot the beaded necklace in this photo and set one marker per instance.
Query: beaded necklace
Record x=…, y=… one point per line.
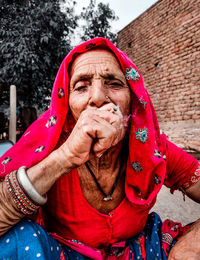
x=107, y=197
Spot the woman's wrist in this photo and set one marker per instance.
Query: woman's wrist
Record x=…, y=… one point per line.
x=28, y=187
x=64, y=160
x=19, y=196
x=44, y=174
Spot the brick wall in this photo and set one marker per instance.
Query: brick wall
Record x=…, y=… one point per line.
x=164, y=43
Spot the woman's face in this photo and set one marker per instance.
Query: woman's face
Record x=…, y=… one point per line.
x=96, y=79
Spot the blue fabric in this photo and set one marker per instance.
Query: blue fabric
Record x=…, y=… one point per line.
x=153, y=240
x=28, y=240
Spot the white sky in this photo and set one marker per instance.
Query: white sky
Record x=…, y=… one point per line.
x=126, y=10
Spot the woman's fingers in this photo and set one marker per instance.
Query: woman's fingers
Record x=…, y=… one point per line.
x=105, y=134
x=107, y=128
x=95, y=131
x=112, y=115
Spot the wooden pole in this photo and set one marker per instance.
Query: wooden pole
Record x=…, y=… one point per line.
x=12, y=123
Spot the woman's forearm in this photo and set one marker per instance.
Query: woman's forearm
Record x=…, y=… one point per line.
x=42, y=176
x=9, y=212
x=194, y=192
x=48, y=171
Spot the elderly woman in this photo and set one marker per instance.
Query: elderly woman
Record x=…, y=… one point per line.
x=90, y=168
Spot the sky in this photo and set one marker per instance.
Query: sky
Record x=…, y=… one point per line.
x=126, y=10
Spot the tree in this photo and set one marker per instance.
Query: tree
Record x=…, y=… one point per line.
x=98, y=21
x=34, y=38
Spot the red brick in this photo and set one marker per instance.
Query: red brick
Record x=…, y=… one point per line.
x=165, y=47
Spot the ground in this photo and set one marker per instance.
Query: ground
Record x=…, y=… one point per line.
x=172, y=206
x=186, y=136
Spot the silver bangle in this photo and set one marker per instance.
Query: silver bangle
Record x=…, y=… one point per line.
x=29, y=188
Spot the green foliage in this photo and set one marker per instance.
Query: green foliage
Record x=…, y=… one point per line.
x=35, y=37
x=98, y=21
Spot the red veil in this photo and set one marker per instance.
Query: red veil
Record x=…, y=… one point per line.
x=145, y=161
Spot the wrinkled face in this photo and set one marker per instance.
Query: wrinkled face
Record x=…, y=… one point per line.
x=96, y=79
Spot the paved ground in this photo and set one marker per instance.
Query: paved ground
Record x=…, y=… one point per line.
x=173, y=207
x=185, y=135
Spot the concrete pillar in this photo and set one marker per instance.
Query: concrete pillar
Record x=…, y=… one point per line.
x=12, y=123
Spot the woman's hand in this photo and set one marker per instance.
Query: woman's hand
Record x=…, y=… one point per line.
x=95, y=131
x=188, y=247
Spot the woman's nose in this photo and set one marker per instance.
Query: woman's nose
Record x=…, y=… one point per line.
x=98, y=93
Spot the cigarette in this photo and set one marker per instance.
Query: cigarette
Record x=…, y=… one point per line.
x=115, y=109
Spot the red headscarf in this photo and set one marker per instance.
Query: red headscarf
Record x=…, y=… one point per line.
x=146, y=168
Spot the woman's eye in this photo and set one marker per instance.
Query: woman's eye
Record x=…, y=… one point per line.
x=115, y=84
x=81, y=86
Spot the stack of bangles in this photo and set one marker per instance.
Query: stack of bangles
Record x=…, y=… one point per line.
x=24, y=194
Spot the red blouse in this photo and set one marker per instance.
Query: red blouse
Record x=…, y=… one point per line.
x=68, y=213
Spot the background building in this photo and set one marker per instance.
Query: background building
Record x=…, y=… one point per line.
x=164, y=43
